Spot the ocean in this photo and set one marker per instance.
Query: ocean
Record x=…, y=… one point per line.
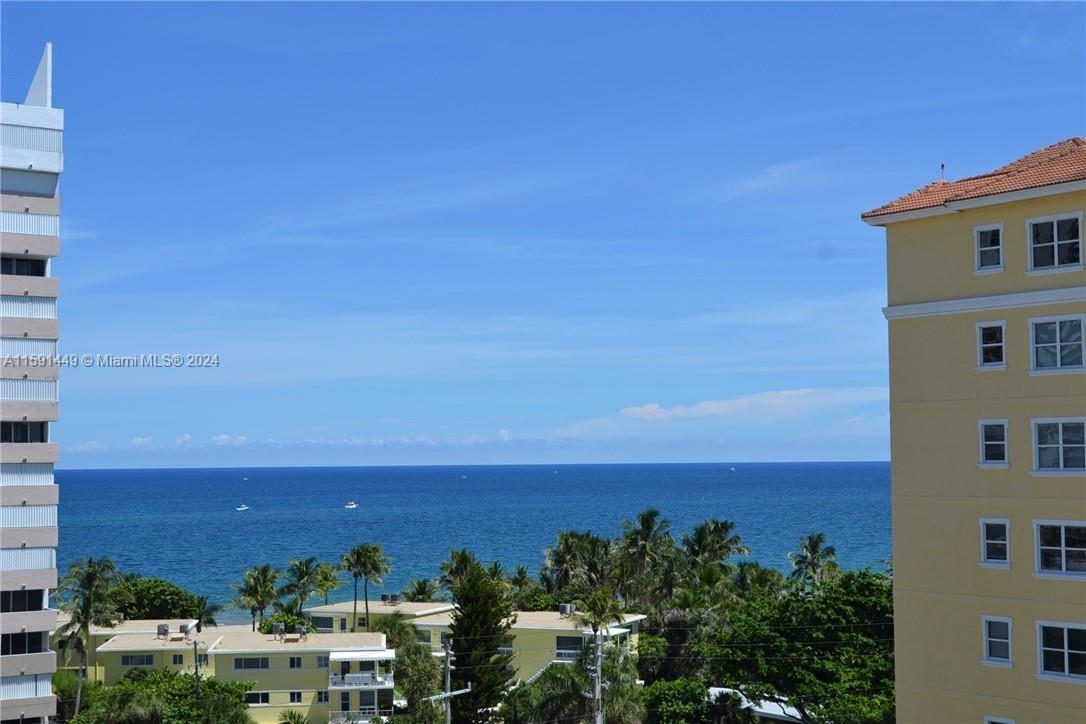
x=181, y=524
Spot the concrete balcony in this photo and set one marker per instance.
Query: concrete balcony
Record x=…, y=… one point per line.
x=25, y=285
x=361, y=681
x=18, y=410
x=44, y=537
x=21, y=664
x=22, y=621
x=27, y=327
x=363, y=716
x=29, y=452
x=39, y=707
x=29, y=579
x=29, y=494
x=42, y=247
x=29, y=204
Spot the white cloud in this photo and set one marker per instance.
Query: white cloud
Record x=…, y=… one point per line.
x=770, y=178
x=229, y=440
x=141, y=443
x=88, y=446
x=763, y=406
x=184, y=440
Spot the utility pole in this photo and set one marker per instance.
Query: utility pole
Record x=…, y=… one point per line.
x=597, y=684
x=448, y=680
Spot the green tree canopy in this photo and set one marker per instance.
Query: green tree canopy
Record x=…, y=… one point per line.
x=137, y=597
x=480, y=622
x=165, y=697
x=681, y=701
x=827, y=651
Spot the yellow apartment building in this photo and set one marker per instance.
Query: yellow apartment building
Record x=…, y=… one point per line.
x=986, y=311
x=336, y=617
x=537, y=639
x=100, y=634
x=344, y=678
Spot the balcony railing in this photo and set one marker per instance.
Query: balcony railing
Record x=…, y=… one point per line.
x=567, y=655
x=362, y=716
x=361, y=681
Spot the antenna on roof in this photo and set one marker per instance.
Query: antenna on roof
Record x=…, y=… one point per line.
x=942, y=172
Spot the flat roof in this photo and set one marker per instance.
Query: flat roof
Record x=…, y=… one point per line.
x=382, y=608
x=249, y=642
x=531, y=621
x=133, y=626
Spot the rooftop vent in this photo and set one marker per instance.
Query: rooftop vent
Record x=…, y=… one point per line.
x=384, y=598
x=162, y=630
x=566, y=609
x=395, y=598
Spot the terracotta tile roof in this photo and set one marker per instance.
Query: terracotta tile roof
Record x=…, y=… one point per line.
x=1059, y=163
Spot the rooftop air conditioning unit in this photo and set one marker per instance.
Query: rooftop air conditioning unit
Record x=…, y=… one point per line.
x=185, y=628
x=565, y=609
x=278, y=629
x=384, y=598
x=395, y=598
x=162, y=630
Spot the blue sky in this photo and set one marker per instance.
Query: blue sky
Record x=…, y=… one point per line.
x=422, y=234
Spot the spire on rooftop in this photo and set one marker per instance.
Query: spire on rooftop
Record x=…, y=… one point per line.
x=41, y=88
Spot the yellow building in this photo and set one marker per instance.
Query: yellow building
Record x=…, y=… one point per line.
x=537, y=639
x=336, y=617
x=100, y=634
x=342, y=678
x=986, y=313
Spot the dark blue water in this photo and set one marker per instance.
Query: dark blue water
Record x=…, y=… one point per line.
x=181, y=524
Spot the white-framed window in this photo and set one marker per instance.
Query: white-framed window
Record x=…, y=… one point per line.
x=991, y=346
x=178, y=659
x=1061, y=650
x=1061, y=547
x=295, y=697
x=1059, y=446
x=201, y=659
x=322, y=696
x=322, y=662
x=1057, y=343
x=995, y=542
x=993, y=443
x=998, y=720
x=997, y=639
x=988, y=242
x=257, y=698
x=295, y=662
x=1055, y=242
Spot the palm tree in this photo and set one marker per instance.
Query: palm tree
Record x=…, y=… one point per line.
x=302, y=578
x=459, y=563
x=206, y=612
x=420, y=589
x=814, y=561
x=520, y=579
x=599, y=611
x=86, y=591
x=398, y=632
x=713, y=542
x=365, y=561
x=257, y=590
x=327, y=580
x=645, y=539
x=292, y=716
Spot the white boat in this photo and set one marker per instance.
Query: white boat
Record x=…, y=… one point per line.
x=242, y=507
x=351, y=505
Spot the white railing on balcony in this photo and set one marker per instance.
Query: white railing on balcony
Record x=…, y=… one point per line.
x=31, y=138
x=27, y=559
x=345, y=681
x=566, y=654
x=28, y=390
x=361, y=716
x=29, y=307
x=21, y=222
x=28, y=516
x=26, y=473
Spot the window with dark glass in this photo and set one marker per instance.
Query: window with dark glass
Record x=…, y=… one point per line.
x=989, y=249
x=256, y=697
x=1058, y=343
x=1061, y=445
x=24, y=432
x=1062, y=548
x=1063, y=650
x=34, y=642
x=1055, y=243
x=995, y=542
x=991, y=344
x=16, y=601
x=22, y=266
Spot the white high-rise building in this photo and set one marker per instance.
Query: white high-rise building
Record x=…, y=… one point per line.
x=31, y=159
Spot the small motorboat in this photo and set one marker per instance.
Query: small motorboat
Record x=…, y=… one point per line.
x=241, y=507
x=351, y=505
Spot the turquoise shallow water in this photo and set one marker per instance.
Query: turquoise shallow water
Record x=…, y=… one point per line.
x=182, y=524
